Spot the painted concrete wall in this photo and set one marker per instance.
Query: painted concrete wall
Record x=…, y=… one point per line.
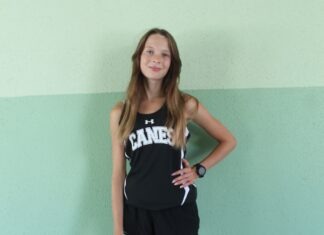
x=256, y=65
x=55, y=163
x=60, y=47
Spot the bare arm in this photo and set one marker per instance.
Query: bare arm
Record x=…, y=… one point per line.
x=215, y=129
x=227, y=142
x=118, y=171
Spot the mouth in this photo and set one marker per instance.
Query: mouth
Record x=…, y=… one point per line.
x=155, y=69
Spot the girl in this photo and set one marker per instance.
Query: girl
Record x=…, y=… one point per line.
x=157, y=196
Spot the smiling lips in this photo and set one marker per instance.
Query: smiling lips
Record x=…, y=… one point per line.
x=155, y=69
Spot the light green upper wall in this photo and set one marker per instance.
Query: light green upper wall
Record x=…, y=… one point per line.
x=61, y=47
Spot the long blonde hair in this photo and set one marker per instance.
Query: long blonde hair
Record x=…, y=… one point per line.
x=175, y=99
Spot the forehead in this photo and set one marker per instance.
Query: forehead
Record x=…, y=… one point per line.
x=157, y=41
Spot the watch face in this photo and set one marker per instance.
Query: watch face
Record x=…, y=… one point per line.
x=201, y=171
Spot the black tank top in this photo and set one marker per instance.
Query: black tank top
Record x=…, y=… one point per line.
x=152, y=161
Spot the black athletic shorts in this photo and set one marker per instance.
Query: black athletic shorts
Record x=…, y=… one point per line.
x=181, y=220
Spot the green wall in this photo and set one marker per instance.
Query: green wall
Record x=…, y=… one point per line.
x=256, y=65
x=55, y=163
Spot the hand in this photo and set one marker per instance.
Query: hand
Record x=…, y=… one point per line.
x=187, y=175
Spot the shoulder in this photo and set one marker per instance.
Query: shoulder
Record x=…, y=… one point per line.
x=116, y=139
x=191, y=106
x=116, y=111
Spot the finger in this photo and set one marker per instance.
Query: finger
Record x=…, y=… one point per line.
x=187, y=184
x=182, y=182
x=179, y=179
x=180, y=172
x=183, y=178
x=185, y=173
x=186, y=163
x=186, y=168
x=190, y=180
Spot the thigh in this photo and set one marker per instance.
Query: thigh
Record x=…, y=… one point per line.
x=137, y=221
x=177, y=221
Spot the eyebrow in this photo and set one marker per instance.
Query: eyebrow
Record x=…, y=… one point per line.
x=164, y=50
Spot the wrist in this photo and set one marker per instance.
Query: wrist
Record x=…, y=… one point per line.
x=200, y=170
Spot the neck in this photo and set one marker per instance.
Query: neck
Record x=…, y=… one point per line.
x=153, y=91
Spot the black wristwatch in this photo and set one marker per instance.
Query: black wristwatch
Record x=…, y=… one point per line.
x=200, y=170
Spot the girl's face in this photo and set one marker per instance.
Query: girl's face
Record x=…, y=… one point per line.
x=155, y=58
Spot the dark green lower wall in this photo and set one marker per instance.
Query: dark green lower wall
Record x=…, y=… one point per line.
x=55, y=164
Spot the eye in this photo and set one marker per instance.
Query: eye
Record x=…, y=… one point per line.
x=166, y=55
x=149, y=52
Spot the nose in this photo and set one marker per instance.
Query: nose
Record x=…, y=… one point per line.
x=156, y=59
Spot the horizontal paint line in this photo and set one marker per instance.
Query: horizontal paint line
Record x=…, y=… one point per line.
x=185, y=90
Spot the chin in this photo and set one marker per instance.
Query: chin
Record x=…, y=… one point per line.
x=154, y=78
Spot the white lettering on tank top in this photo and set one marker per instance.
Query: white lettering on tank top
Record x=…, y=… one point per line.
x=150, y=135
